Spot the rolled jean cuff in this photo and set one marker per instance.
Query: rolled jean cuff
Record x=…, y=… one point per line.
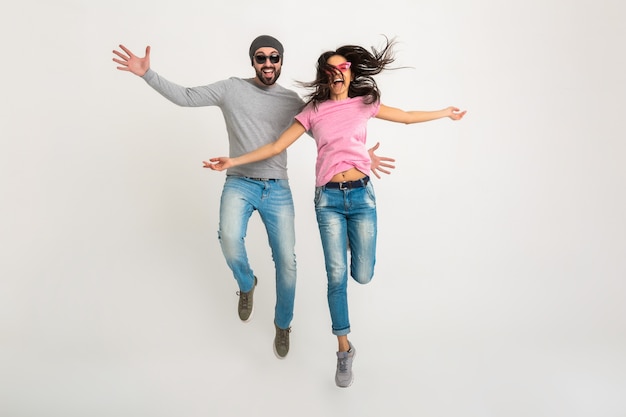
x=342, y=332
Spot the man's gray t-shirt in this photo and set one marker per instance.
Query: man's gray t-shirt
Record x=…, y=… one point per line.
x=254, y=116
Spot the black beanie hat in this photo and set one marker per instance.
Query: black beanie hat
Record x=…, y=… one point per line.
x=265, y=41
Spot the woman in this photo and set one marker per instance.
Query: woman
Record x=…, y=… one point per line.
x=345, y=96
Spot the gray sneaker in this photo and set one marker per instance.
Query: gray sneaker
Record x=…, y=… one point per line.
x=246, y=303
x=343, y=376
x=281, y=342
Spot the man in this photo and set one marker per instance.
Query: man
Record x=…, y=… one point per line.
x=256, y=111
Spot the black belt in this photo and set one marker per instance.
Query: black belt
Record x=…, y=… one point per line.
x=261, y=179
x=346, y=185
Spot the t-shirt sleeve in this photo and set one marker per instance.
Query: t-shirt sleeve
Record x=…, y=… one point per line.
x=304, y=117
x=374, y=108
x=207, y=95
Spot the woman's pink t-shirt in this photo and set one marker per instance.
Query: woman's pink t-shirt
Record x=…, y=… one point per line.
x=339, y=128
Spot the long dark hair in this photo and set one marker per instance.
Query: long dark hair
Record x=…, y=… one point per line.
x=365, y=65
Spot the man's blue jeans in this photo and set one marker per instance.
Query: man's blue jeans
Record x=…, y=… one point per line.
x=347, y=223
x=272, y=199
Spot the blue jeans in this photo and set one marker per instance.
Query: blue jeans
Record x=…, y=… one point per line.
x=272, y=199
x=347, y=223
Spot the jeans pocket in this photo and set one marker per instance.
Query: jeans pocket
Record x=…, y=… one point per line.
x=318, y=196
x=370, y=192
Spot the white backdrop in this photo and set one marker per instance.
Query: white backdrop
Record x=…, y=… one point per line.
x=499, y=288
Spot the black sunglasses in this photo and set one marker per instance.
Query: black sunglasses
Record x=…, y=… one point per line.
x=260, y=59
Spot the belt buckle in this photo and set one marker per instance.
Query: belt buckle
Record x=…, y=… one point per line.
x=344, y=185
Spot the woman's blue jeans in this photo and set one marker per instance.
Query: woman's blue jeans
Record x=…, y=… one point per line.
x=272, y=199
x=347, y=224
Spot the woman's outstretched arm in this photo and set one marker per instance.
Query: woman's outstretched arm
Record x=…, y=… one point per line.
x=288, y=137
x=393, y=114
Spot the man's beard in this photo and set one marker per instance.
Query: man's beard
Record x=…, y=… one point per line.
x=261, y=76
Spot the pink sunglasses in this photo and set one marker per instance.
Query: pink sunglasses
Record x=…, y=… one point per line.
x=344, y=66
